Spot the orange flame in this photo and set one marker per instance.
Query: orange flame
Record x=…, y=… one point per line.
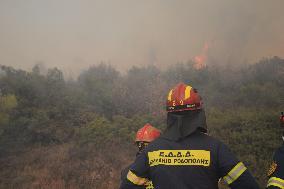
x=200, y=60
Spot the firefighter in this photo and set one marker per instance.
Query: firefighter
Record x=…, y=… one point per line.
x=144, y=136
x=185, y=156
x=276, y=171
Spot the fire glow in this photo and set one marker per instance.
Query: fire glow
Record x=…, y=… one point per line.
x=200, y=60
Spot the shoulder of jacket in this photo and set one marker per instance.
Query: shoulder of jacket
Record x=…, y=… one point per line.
x=211, y=138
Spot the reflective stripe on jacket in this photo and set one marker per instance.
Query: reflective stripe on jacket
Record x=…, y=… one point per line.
x=140, y=183
x=196, y=162
x=276, y=170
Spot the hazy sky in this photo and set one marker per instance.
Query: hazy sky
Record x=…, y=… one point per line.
x=74, y=34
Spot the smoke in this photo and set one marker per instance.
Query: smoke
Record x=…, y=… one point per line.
x=73, y=35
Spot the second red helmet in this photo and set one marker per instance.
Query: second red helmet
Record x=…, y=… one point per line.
x=148, y=133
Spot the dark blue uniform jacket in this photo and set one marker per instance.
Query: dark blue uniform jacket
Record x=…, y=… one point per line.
x=195, y=162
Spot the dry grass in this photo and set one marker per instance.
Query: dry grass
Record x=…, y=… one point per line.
x=64, y=166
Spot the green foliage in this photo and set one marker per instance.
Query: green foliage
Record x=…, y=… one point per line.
x=97, y=131
x=7, y=104
x=98, y=83
x=92, y=121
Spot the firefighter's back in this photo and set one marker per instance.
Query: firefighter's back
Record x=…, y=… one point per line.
x=189, y=163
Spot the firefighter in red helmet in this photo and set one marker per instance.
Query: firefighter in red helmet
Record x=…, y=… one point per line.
x=144, y=136
x=276, y=170
x=185, y=156
x=147, y=134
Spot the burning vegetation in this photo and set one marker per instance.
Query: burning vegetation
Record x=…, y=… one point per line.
x=201, y=60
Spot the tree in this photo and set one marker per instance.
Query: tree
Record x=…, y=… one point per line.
x=7, y=104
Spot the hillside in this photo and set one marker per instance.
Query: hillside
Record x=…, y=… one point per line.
x=57, y=133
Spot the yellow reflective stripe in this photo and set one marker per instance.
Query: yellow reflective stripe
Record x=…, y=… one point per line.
x=274, y=181
x=149, y=185
x=235, y=173
x=135, y=179
x=187, y=92
x=170, y=95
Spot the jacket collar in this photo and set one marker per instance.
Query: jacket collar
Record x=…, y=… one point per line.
x=182, y=124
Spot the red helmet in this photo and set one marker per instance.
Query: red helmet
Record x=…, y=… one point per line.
x=148, y=133
x=183, y=97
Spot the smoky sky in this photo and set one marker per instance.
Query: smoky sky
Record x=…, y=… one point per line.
x=74, y=34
